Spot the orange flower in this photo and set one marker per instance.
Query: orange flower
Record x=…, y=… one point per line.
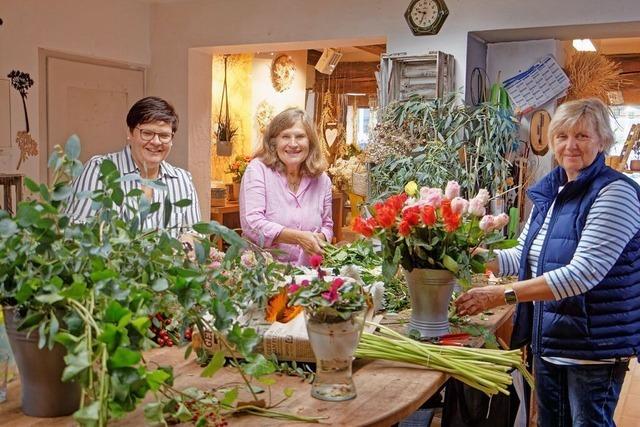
x=278, y=309
x=385, y=215
x=404, y=229
x=411, y=215
x=428, y=215
x=364, y=227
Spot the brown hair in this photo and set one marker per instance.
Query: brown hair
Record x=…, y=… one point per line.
x=315, y=162
x=570, y=114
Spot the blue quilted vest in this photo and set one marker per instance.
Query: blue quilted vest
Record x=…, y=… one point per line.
x=603, y=322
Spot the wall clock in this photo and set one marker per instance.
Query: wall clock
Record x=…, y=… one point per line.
x=425, y=17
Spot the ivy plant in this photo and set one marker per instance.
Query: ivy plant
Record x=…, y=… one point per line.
x=94, y=286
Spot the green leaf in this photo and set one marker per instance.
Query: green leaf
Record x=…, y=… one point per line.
x=124, y=357
x=54, y=326
x=183, y=414
x=76, y=363
x=31, y=185
x=450, y=264
x=157, y=378
x=49, y=298
x=72, y=147
x=31, y=321
x=217, y=362
x=244, y=339
x=259, y=366
x=7, y=227
x=75, y=291
x=62, y=192
x=183, y=203
x=114, y=312
x=153, y=413
x=88, y=415
x=288, y=391
x=141, y=324
x=160, y=284
x=229, y=397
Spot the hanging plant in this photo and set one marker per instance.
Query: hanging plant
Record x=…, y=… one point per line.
x=224, y=131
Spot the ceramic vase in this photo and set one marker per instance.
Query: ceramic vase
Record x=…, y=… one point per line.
x=430, y=292
x=333, y=344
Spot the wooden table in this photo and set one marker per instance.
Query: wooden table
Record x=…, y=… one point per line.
x=228, y=215
x=387, y=391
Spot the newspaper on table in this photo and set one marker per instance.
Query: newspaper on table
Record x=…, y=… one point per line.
x=543, y=81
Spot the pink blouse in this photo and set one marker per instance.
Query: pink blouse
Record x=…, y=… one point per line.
x=267, y=206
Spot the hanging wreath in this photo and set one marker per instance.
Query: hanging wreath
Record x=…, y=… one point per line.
x=264, y=114
x=282, y=72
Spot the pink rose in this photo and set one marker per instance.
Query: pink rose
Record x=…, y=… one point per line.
x=476, y=207
x=431, y=196
x=452, y=190
x=459, y=205
x=483, y=196
x=315, y=260
x=501, y=220
x=487, y=223
x=293, y=287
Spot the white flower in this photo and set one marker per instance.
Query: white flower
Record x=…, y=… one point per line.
x=452, y=190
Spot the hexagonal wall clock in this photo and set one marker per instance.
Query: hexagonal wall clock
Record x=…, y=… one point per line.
x=425, y=17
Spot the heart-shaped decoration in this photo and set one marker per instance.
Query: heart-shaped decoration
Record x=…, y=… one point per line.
x=330, y=136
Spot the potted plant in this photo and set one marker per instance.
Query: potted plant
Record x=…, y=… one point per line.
x=225, y=133
x=94, y=287
x=334, y=309
x=432, y=234
x=236, y=169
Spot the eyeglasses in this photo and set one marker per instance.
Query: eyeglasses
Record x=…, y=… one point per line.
x=147, y=136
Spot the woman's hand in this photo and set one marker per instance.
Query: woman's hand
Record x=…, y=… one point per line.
x=310, y=242
x=477, y=300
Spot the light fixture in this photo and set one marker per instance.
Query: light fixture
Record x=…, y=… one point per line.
x=328, y=60
x=583, y=45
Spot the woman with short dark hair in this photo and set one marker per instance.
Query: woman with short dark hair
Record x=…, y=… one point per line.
x=152, y=123
x=285, y=195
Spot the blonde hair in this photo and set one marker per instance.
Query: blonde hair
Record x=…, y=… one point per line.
x=315, y=162
x=572, y=113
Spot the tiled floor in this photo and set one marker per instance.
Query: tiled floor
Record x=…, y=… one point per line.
x=628, y=410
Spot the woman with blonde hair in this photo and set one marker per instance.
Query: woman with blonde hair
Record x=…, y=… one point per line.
x=285, y=195
x=578, y=266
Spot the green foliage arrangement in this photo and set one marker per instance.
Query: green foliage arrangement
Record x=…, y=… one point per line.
x=94, y=286
x=432, y=142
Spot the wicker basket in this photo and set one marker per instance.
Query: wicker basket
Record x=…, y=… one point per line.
x=360, y=181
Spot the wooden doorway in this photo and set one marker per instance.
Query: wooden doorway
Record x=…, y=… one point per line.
x=88, y=97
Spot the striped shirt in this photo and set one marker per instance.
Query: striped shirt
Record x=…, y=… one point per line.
x=608, y=229
x=178, y=186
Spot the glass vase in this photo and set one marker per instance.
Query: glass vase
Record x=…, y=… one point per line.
x=333, y=344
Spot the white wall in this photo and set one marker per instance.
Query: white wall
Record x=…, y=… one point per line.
x=115, y=29
x=201, y=23
x=263, y=90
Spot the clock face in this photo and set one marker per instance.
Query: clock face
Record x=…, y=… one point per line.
x=426, y=17
x=424, y=13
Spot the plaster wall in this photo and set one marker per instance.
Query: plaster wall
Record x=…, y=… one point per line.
x=116, y=30
x=178, y=26
x=263, y=89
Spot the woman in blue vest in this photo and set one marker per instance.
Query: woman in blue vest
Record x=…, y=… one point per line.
x=578, y=266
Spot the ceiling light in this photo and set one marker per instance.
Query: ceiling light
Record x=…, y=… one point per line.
x=583, y=45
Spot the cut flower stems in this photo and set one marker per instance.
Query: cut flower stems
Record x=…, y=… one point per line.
x=487, y=370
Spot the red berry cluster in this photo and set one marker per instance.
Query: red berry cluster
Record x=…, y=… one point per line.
x=165, y=331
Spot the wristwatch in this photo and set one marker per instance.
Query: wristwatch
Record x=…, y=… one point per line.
x=510, y=296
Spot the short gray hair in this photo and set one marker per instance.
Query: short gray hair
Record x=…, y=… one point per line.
x=569, y=114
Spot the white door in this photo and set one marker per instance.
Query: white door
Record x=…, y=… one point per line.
x=92, y=101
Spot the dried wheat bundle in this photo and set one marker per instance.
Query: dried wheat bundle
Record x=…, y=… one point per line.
x=592, y=75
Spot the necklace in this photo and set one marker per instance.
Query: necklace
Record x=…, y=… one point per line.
x=294, y=183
